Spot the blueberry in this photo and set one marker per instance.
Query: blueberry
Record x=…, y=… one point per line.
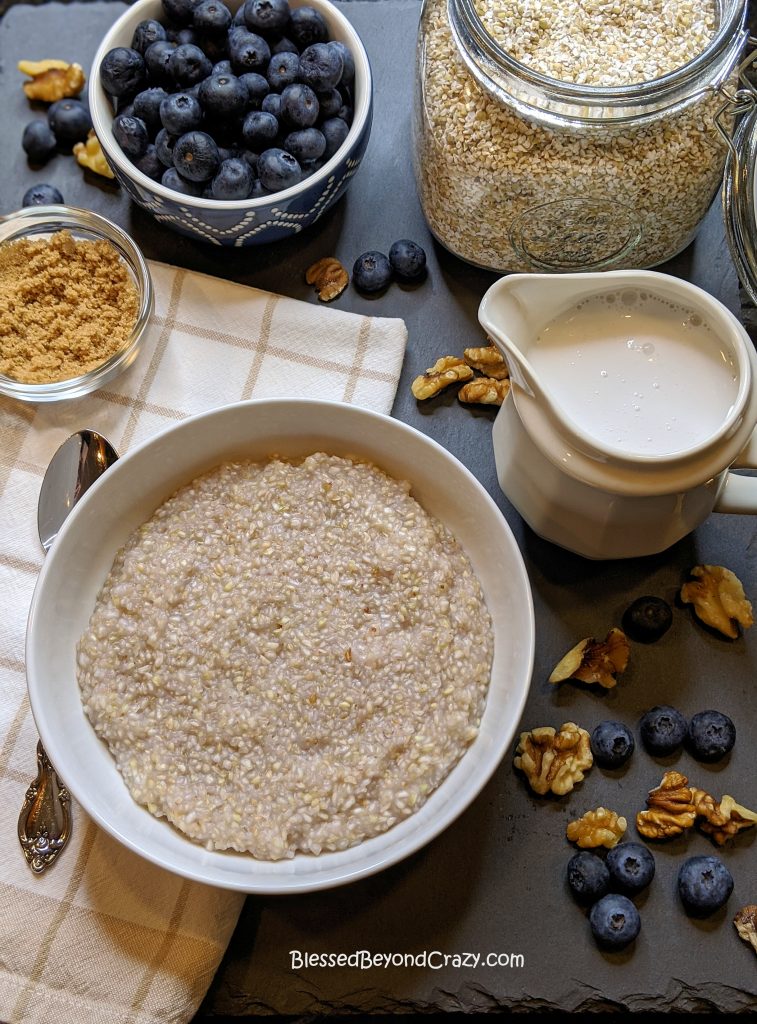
x=172, y=179
x=257, y=88
x=614, y=921
x=252, y=159
x=183, y=36
x=647, y=619
x=704, y=884
x=662, y=730
x=321, y=66
x=259, y=130
x=631, y=867
x=211, y=16
x=283, y=70
x=179, y=12
x=38, y=141
x=329, y=102
x=408, y=260
x=248, y=52
x=145, y=34
x=223, y=96
x=612, y=743
x=42, y=195
x=131, y=135
x=346, y=113
x=188, y=65
x=266, y=15
x=284, y=45
x=271, y=104
x=147, y=107
x=164, y=144
x=258, y=190
x=238, y=20
x=222, y=67
x=299, y=105
x=278, y=169
x=157, y=56
x=307, y=26
x=150, y=163
x=215, y=48
x=122, y=71
x=306, y=144
x=348, y=61
x=180, y=113
x=711, y=735
x=233, y=180
x=371, y=272
x=195, y=156
x=335, y=131
x=588, y=877
x=70, y=121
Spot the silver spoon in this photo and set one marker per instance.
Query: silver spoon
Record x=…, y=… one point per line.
x=44, y=824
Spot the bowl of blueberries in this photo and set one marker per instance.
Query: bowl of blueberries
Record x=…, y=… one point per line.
x=233, y=124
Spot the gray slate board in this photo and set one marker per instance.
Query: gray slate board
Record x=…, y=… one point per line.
x=494, y=881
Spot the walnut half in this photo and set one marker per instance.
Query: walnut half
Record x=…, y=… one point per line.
x=554, y=761
x=719, y=599
x=594, y=661
x=445, y=371
x=52, y=80
x=597, y=828
x=484, y=391
x=328, y=277
x=675, y=806
x=727, y=820
x=746, y=925
x=487, y=360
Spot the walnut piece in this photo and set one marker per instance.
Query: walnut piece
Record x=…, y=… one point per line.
x=719, y=599
x=675, y=806
x=445, y=371
x=329, y=277
x=52, y=80
x=553, y=760
x=593, y=661
x=597, y=828
x=89, y=154
x=487, y=360
x=746, y=924
x=726, y=820
x=484, y=391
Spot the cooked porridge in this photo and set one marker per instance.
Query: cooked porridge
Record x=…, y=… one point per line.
x=287, y=656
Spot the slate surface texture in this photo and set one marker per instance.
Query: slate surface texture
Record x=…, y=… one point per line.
x=494, y=881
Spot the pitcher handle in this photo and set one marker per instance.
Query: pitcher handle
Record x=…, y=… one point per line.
x=739, y=493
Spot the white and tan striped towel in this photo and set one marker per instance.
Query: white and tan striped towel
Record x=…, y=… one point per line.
x=104, y=936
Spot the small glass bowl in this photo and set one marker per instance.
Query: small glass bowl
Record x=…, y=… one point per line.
x=43, y=221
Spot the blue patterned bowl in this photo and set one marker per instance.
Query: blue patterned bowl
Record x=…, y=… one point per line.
x=247, y=221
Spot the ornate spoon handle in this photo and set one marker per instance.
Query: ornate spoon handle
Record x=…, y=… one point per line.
x=44, y=825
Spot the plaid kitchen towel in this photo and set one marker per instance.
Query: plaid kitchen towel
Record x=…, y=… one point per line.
x=104, y=936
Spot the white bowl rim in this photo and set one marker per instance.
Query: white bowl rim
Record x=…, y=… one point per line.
x=102, y=123
x=353, y=870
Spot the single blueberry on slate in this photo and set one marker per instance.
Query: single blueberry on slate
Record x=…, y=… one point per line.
x=180, y=113
x=147, y=107
x=371, y=272
x=321, y=66
x=647, y=619
x=612, y=743
x=188, y=65
x=145, y=34
x=38, y=141
x=408, y=260
x=248, y=51
x=614, y=921
x=233, y=180
x=663, y=730
x=257, y=88
x=704, y=884
x=150, y=163
x=306, y=144
x=173, y=180
x=335, y=131
x=711, y=735
x=266, y=15
x=307, y=26
x=157, y=56
x=164, y=144
x=299, y=105
x=195, y=156
x=42, y=195
x=283, y=70
x=122, y=70
x=211, y=16
x=631, y=867
x=223, y=96
x=278, y=169
x=588, y=876
x=69, y=121
x=259, y=130
x=131, y=135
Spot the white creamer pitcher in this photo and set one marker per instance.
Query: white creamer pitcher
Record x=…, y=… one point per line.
x=634, y=395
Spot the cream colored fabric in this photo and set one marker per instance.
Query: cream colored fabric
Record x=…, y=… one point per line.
x=104, y=936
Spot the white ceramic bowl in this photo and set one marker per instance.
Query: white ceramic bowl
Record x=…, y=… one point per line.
x=128, y=493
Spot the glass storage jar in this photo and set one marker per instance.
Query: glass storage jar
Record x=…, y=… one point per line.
x=519, y=171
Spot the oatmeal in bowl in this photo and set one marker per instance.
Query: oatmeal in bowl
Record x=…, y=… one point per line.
x=303, y=634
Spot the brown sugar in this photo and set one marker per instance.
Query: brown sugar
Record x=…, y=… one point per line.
x=66, y=305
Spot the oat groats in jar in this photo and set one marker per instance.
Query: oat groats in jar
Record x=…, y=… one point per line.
x=567, y=135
